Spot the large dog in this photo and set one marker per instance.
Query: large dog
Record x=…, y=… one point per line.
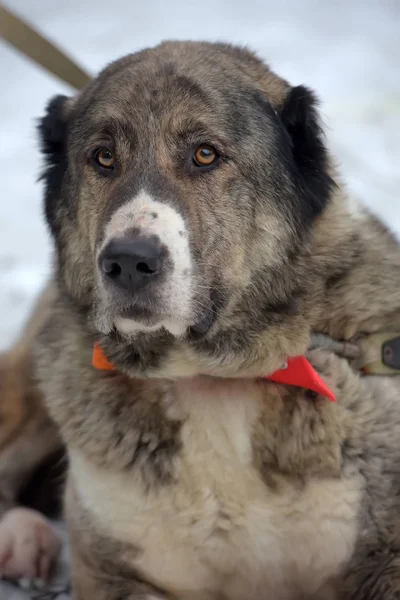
x=201, y=236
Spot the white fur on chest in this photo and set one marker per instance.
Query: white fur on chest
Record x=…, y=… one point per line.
x=219, y=531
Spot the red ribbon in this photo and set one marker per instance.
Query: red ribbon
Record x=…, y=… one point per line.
x=301, y=374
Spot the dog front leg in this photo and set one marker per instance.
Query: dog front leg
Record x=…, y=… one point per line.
x=92, y=585
x=28, y=437
x=100, y=566
x=29, y=544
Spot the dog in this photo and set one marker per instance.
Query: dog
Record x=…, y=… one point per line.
x=31, y=460
x=201, y=235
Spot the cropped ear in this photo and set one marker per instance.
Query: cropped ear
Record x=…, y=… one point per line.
x=300, y=119
x=53, y=138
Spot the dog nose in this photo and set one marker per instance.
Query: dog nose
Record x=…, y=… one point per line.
x=131, y=264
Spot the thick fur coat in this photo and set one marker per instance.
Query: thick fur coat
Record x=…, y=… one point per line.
x=191, y=477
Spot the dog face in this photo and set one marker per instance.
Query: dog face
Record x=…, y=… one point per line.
x=181, y=190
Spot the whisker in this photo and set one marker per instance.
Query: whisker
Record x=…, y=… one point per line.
x=198, y=303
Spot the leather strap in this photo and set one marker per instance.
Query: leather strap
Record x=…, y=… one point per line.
x=24, y=38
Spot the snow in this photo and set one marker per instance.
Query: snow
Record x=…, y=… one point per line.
x=349, y=52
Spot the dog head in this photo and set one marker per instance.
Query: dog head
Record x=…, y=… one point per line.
x=181, y=190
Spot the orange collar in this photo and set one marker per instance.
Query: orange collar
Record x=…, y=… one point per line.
x=298, y=373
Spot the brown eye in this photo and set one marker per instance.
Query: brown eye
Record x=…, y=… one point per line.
x=104, y=158
x=205, y=156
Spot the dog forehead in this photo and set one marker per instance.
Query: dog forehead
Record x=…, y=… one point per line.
x=198, y=61
x=194, y=74
x=136, y=96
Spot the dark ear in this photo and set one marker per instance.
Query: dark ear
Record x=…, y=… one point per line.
x=300, y=119
x=53, y=130
x=53, y=137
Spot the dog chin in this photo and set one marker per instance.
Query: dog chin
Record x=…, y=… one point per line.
x=146, y=323
x=129, y=327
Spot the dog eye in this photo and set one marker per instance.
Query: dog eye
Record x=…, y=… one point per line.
x=104, y=158
x=205, y=156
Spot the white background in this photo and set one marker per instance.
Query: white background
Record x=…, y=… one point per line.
x=347, y=50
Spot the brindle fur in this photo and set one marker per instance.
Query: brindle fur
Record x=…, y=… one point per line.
x=205, y=487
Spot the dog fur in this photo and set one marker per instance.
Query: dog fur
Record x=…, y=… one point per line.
x=190, y=477
x=30, y=454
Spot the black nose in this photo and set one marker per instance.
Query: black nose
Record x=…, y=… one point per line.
x=131, y=264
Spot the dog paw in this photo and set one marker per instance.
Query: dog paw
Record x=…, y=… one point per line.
x=28, y=545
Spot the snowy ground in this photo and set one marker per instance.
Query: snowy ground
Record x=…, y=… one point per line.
x=348, y=51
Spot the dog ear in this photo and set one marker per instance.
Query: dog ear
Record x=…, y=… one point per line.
x=300, y=119
x=53, y=137
x=53, y=130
